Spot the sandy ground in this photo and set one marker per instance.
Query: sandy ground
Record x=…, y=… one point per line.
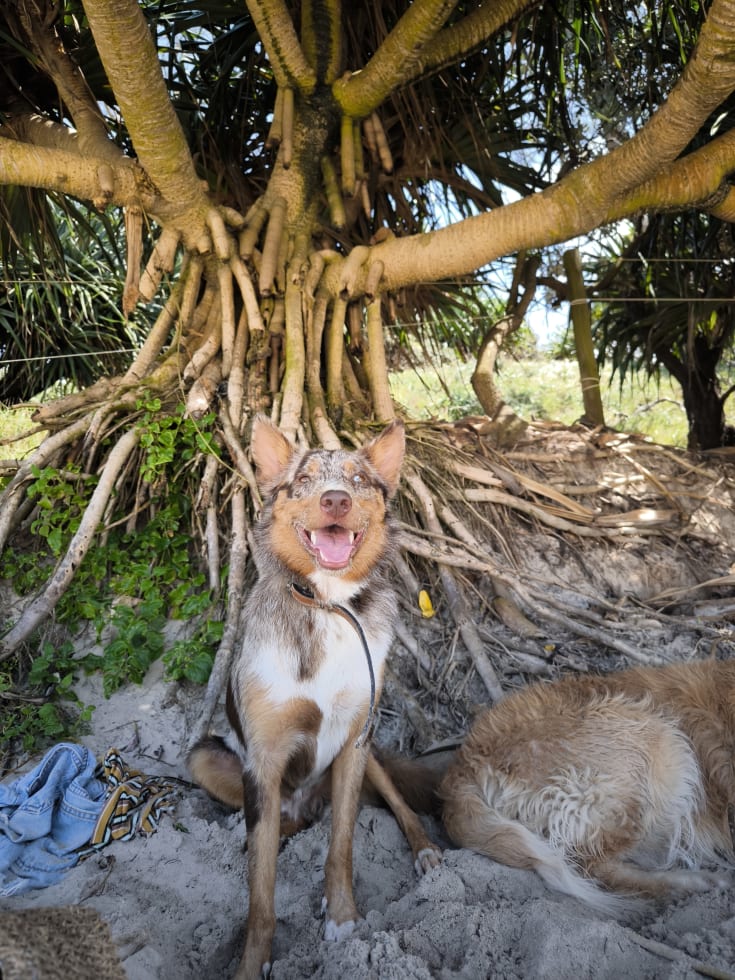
x=175, y=901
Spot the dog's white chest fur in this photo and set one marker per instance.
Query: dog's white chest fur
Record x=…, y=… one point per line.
x=340, y=687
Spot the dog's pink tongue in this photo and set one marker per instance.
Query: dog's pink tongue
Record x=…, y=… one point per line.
x=334, y=546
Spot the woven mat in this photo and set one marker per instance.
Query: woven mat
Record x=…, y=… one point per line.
x=57, y=944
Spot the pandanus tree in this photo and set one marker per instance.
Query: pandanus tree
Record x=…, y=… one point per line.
x=674, y=277
x=279, y=166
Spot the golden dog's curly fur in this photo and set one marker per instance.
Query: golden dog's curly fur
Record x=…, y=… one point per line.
x=625, y=780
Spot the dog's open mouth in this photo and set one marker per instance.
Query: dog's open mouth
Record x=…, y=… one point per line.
x=332, y=546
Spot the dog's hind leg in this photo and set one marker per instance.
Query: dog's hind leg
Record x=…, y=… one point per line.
x=425, y=853
x=655, y=884
x=218, y=770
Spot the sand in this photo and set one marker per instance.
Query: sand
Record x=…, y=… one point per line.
x=176, y=901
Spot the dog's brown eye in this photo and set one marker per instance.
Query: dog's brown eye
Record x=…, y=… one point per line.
x=303, y=479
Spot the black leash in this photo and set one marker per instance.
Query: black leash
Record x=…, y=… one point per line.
x=307, y=598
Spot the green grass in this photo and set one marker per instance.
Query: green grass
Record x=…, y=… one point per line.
x=14, y=424
x=543, y=388
x=538, y=388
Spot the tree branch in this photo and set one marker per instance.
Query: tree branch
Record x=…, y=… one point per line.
x=395, y=61
x=71, y=85
x=707, y=80
x=35, y=129
x=467, y=34
x=583, y=200
x=290, y=67
x=119, y=28
x=66, y=171
x=632, y=177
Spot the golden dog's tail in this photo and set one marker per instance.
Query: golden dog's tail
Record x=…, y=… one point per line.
x=217, y=769
x=471, y=822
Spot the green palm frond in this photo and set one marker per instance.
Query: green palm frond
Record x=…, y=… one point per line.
x=549, y=92
x=675, y=281
x=60, y=316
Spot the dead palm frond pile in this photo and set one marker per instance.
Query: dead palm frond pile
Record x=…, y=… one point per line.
x=576, y=549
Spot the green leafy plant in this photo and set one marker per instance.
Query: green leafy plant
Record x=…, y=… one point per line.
x=60, y=504
x=165, y=437
x=40, y=705
x=138, y=642
x=192, y=659
x=128, y=586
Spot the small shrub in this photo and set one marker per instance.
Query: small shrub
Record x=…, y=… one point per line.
x=126, y=588
x=40, y=705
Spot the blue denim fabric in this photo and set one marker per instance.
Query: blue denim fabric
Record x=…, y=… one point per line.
x=45, y=816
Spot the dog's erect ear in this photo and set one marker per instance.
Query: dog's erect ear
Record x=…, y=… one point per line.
x=386, y=452
x=271, y=450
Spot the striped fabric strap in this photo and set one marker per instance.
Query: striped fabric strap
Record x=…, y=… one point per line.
x=134, y=803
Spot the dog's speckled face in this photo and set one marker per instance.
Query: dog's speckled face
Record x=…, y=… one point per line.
x=326, y=509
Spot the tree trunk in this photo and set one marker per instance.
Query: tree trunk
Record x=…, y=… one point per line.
x=509, y=426
x=582, y=324
x=702, y=400
x=706, y=417
x=703, y=403
x=279, y=308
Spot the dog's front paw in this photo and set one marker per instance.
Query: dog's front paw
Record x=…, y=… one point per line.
x=426, y=859
x=333, y=930
x=246, y=971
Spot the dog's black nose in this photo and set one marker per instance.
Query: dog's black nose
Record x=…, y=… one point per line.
x=336, y=503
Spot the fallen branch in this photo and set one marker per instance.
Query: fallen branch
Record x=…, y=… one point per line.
x=458, y=559
x=679, y=956
x=641, y=521
x=596, y=635
x=671, y=596
x=460, y=614
x=500, y=476
x=235, y=589
x=40, y=607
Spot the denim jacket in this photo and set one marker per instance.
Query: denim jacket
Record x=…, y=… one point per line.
x=45, y=816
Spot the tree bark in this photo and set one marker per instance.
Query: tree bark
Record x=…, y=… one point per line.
x=483, y=377
x=704, y=406
x=394, y=61
x=120, y=29
x=582, y=325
